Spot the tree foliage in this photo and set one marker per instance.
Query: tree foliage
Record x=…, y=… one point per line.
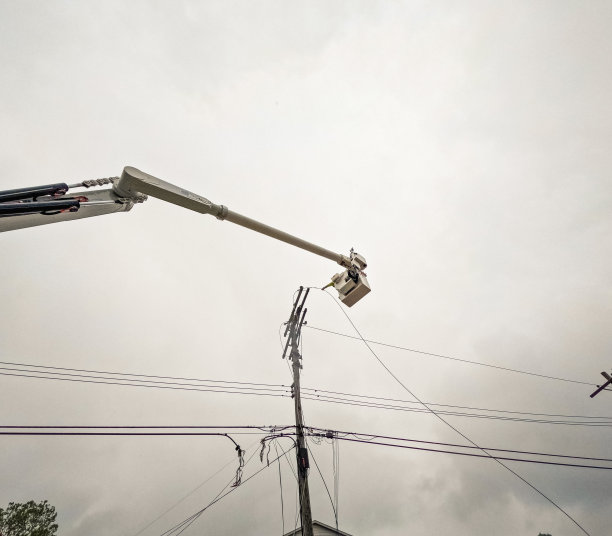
x=28, y=519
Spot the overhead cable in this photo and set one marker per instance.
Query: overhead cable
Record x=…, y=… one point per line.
x=449, y=425
x=188, y=521
x=386, y=399
x=442, y=356
x=475, y=455
x=177, y=387
x=358, y=403
x=338, y=434
x=284, y=391
x=275, y=432
x=191, y=492
x=326, y=488
x=179, y=381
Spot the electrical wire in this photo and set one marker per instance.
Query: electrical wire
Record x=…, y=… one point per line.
x=442, y=356
x=321, y=432
x=444, y=421
x=336, y=470
x=128, y=377
x=354, y=395
x=116, y=434
x=229, y=387
x=326, y=489
x=236, y=390
x=263, y=428
x=186, y=523
x=273, y=432
x=471, y=454
x=294, y=472
x=136, y=375
x=365, y=404
x=219, y=497
x=187, y=495
x=202, y=383
x=280, y=482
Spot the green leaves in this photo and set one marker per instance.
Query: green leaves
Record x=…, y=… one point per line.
x=28, y=519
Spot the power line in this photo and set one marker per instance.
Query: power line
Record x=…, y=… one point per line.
x=282, y=391
x=471, y=454
x=348, y=402
x=219, y=497
x=237, y=390
x=314, y=391
x=134, y=374
x=442, y=356
x=326, y=489
x=323, y=432
x=233, y=385
x=280, y=481
x=312, y=430
x=96, y=374
x=336, y=471
x=361, y=403
x=186, y=523
x=174, y=505
x=263, y=428
x=411, y=393
x=111, y=434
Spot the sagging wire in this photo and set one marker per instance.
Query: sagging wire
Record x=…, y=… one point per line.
x=186, y=523
x=280, y=480
x=448, y=424
x=263, y=448
x=325, y=484
x=238, y=478
x=336, y=471
x=189, y=494
x=267, y=440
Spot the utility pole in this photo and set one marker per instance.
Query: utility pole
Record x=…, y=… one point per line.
x=293, y=331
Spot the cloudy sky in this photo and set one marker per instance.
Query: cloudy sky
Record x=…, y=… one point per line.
x=462, y=148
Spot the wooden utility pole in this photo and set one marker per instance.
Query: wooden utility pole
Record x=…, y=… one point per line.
x=293, y=331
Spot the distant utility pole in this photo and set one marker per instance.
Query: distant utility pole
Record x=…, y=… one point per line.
x=602, y=387
x=294, y=330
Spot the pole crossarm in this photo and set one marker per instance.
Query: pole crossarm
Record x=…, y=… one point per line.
x=603, y=386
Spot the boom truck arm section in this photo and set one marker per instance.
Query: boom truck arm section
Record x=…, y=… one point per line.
x=28, y=207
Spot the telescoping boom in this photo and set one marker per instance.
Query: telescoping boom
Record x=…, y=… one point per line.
x=28, y=207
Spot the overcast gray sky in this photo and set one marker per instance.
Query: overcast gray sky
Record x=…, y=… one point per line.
x=462, y=148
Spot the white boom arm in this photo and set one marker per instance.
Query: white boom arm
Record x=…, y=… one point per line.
x=133, y=187
x=134, y=181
